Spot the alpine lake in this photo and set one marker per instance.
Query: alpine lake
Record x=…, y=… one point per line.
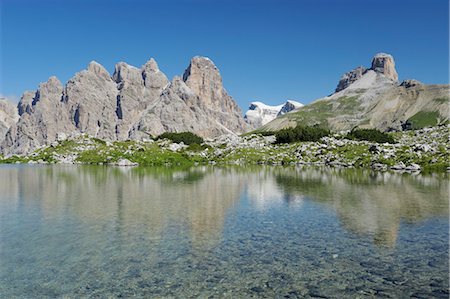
x=222, y=232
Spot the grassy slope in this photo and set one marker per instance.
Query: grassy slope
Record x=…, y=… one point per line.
x=355, y=153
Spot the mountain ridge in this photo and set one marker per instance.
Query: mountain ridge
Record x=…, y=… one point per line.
x=260, y=113
x=132, y=103
x=372, y=98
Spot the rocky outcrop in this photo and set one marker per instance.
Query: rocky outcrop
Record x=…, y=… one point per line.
x=8, y=116
x=373, y=98
x=138, y=89
x=133, y=103
x=259, y=114
x=40, y=121
x=350, y=77
x=384, y=64
x=204, y=79
x=410, y=83
x=289, y=106
x=90, y=99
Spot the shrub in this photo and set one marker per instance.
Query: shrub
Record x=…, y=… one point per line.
x=370, y=135
x=185, y=137
x=301, y=133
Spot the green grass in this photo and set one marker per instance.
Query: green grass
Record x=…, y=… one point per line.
x=348, y=105
x=424, y=119
x=441, y=100
x=318, y=113
x=314, y=113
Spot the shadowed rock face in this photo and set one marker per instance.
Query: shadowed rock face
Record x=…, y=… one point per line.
x=8, y=116
x=350, y=77
x=133, y=103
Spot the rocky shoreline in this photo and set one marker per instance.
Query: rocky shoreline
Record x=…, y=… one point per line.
x=426, y=150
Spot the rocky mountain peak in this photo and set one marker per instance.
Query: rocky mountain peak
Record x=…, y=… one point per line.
x=132, y=103
x=124, y=71
x=48, y=89
x=153, y=77
x=151, y=66
x=259, y=114
x=201, y=69
x=98, y=69
x=204, y=79
x=384, y=63
x=53, y=81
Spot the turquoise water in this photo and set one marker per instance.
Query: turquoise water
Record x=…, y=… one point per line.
x=105, y=232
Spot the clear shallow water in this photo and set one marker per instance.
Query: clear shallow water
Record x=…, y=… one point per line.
x=99, y=232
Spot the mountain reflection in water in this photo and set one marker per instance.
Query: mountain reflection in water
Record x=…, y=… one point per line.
x=97, y=231
x=367, y=203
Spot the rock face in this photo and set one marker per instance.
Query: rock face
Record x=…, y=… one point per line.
x=384, y=63
x=133, y=103
x=410, y=83
x=204, y=79
x=8, y=117
x=260, y=114
x=289, y=106
x=350, y=77
x=372, y=98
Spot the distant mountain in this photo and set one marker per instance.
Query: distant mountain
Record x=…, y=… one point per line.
x=260, y=114
x=133, y=103
x=373, y=98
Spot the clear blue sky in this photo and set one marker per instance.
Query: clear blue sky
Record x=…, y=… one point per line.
x=265, y=50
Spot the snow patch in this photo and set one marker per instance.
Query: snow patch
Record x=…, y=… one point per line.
x=260, y=114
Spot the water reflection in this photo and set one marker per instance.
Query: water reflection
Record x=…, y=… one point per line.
x=89, y=232
x=154, y=198
x=157, y=198
x=369, y=203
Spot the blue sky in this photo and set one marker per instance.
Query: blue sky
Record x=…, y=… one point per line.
x=266, y=50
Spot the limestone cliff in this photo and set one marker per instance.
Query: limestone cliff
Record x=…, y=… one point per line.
x=8, y=117
x=133, y=103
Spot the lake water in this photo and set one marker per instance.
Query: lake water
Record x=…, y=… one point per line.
x=106, y=232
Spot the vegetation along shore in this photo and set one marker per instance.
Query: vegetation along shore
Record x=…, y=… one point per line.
x=425, y=150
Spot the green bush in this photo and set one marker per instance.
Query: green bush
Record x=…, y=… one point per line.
x=370, y=135
x=301, y=133
x=185, y=137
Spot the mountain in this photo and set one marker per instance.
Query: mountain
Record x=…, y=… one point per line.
x=373, y=98
x=259, y=114
x=133, y=103
x=8, y=117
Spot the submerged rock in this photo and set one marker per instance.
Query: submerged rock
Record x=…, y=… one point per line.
x=125, y=162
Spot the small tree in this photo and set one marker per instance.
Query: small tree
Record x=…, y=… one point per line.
x=370, y=135
x=301, y=133
x=185, y=137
